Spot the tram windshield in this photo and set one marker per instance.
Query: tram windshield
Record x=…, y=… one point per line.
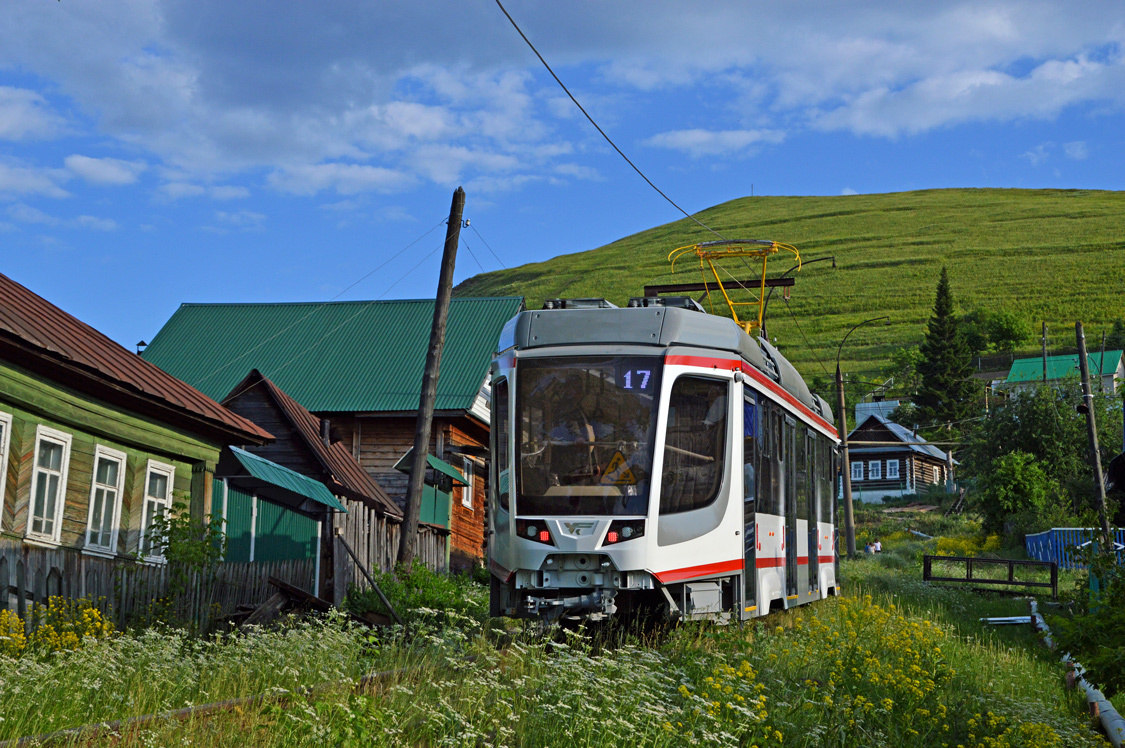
x=586, y=428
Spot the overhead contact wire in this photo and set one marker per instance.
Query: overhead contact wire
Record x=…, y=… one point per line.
x=597, y=127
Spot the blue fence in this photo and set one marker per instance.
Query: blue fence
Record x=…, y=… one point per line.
x=1061, y=545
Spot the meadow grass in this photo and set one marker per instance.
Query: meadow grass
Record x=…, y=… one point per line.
x=1047, y=255
x=891, y=662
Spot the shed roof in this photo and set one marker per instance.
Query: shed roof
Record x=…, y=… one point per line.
x=903, y=434
x=354, y=356
x=1059, y=367
x=342, y=468
x=38, y=333
x=290, y=482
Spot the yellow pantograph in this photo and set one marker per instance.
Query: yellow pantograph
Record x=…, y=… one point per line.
x=709, y=252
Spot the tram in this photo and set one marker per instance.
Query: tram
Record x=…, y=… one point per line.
x=654, y=458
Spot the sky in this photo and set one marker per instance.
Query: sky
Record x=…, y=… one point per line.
x=154, y=152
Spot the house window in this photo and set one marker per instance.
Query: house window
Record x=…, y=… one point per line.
x=48, y=487
x=158, y=500
x=467, y=491
x=892, y=469
x=875, y=470
x=5, y=439
x=105, y=499
x=857, y=471
x=937, y=474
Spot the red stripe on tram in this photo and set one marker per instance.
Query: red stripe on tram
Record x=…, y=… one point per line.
x=770, y=563
x=676, y=575
x=826, y=559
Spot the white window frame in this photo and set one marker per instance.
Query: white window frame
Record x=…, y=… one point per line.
x=153, y=466
x=937, y=474
x=857, y=471
x=892, y=470
x=5, y=442
x=468, y=467
x=105, y=453
x=65, y=440
x=875, y=470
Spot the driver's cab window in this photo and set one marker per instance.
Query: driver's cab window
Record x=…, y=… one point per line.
x=500, y=432
x=695, y=444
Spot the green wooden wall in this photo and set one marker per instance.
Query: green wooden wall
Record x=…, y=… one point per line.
x=279, y=533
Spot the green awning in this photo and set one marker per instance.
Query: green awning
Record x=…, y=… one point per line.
x=280, y=477
x=441, y=466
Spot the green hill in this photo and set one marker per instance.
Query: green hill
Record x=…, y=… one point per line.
x=1047, y=255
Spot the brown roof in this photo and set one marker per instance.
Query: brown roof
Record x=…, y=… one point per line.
x=47, y=340
x=347, y=476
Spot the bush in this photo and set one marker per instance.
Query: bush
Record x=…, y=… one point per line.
x=1016, y=485
x=60, y=625
x=421, y=593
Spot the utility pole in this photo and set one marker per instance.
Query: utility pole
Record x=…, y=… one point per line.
x=845, y=464
x=408, y=543
x=1044, y=353
x=1091, y=428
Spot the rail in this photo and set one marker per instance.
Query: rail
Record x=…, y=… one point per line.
x=1011, y=564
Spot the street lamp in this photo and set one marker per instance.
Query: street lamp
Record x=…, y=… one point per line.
x=766, y=305
x=845, y=465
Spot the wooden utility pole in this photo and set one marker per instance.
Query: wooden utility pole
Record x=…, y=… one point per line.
x=1092, y=430
x=408, y=543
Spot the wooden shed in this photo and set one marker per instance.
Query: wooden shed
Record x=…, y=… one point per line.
x=891, y=461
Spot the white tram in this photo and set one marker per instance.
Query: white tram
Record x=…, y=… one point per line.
x=654, y=457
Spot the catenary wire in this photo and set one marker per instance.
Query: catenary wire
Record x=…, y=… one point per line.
x=472, y=254
x=598, y=127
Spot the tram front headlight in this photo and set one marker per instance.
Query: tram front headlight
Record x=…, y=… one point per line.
x=621, y=530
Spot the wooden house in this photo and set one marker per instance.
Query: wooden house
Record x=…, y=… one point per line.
x=888, y=460
x=366, y=517
x=359, y=366
x=95, y=443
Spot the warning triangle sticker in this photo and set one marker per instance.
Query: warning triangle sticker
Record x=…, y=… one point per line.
x=618, y=472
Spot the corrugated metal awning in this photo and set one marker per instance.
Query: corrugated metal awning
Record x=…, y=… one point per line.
x=279, y=478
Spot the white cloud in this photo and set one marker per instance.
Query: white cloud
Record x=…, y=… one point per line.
x=228, y=192
x=698, y=143
x=1039, y=154
x=27, y=214
x=23, y=180
x=243, y=219
x=346, y=179
x=1076, y=150
x=25, y=115
x=105, y=170
x=93, y=222
x=848, y=191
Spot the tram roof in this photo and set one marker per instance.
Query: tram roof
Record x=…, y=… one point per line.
x=647, y=322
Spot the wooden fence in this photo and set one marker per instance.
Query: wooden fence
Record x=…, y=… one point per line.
x=374, y=541
x=129, y=593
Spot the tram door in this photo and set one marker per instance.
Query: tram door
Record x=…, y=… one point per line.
x=751, y=435
x=814, y=451
x=789, y=462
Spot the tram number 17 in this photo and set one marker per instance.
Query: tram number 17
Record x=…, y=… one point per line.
x=642, y=376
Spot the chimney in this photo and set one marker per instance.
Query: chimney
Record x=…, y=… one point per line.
x=326, y=432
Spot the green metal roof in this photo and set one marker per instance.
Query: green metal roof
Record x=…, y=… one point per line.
x=404, y=463
x=335, y=356
x=1059, y=367
x=285, y=479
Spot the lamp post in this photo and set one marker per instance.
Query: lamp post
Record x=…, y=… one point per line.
x=845, y=464
x=766, y=306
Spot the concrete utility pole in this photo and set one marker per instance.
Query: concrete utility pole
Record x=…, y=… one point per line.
x=1092, y=430
x=408, y=543
x=845, y=464
x=1044, y=353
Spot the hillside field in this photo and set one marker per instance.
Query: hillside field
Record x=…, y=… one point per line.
x=1049, y=255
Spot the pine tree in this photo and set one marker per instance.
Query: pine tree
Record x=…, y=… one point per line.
x=946, y=391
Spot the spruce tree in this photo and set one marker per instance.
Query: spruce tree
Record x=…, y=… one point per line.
x=946, y=391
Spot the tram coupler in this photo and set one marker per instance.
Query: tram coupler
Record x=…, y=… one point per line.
x=594, y=606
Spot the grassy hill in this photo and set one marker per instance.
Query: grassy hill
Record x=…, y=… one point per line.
x=1048, y=255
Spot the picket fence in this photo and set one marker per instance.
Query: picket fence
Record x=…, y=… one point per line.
x=129, y=593
x=1064, y=545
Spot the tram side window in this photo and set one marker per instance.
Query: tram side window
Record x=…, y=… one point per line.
x=824, y=477
x=695, y=445
x=750, y=439
x=801, y=460
x=766, y=458
x=500, y=432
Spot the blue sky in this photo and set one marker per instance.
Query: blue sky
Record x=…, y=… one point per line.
x=154, y=153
